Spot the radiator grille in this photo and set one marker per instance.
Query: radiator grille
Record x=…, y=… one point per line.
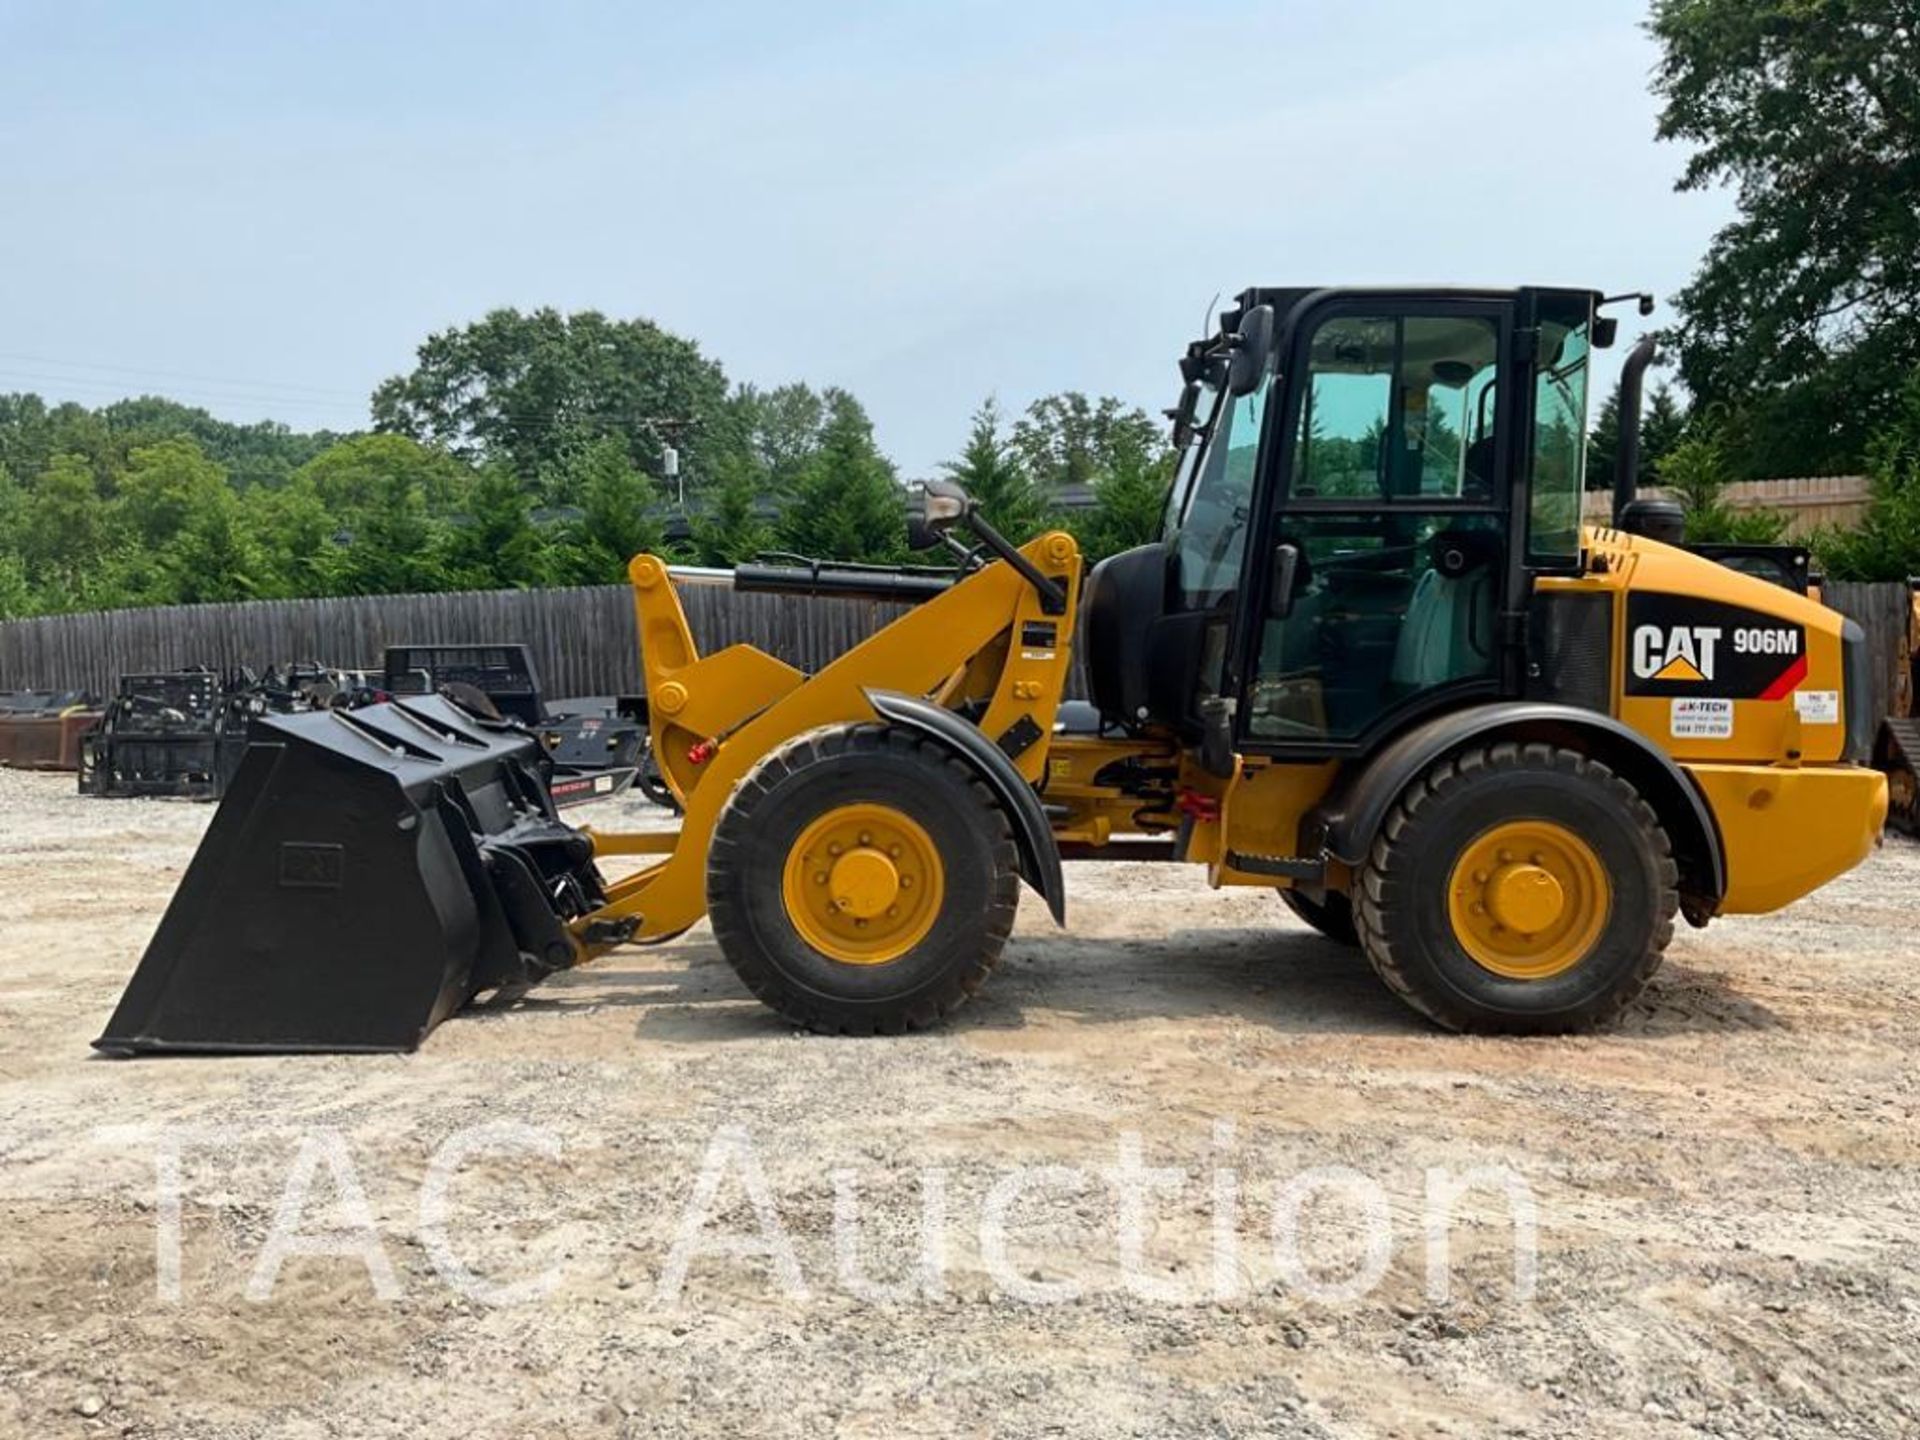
x=1570, y=649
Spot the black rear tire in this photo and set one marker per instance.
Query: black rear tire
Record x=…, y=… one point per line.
x=1413, y=877
x=753, y=903
x=1332, y=917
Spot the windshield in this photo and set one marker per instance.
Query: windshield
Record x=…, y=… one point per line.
x=1206, y=401
x=1214, y=495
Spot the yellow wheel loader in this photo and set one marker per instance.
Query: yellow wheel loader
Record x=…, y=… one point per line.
x=1374, y=663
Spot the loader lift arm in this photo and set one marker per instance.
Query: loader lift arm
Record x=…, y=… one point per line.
x=998, y=642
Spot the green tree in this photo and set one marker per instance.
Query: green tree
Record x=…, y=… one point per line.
x=1886, y=543
x=1801, y=321
x=297, y=538
x=17, y=597
x=846, y=503
x=731, y=530
x=992, y=472
x=1068, y=442
x=1662, y=424
x=364, y=470
x=66, y=538
x=214, y=555
x=165, y=486
x=616, y=520
x=389, y=498
x=1695, y=470
x=1129, y=499
x=782, y=430
x=493, y=546
x=528, y=389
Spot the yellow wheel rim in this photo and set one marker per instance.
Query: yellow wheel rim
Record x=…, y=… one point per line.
x=863, y=884
x=1528, y=899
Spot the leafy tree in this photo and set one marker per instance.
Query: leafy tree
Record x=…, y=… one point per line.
x=731, y=529
x=388, y=496
x=65, y=533
x=364, y=470
x=297, y=537
x=1695, y=470
x=616, y=521
x=1129, y=498
x=265, y=453
x=17, y=597
x=493, y=546
x=782, y=429
x=1661, y=428
x=1662, y=423
x=1797, y=327
x=164, y=487
x=993, y=473
x=33, y=433
x=1886, y=543
x=213, y=556
x=1068, y=441
x=528, y=389
x=846, y=503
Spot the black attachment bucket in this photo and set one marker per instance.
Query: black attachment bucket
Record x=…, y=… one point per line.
x=368, y=873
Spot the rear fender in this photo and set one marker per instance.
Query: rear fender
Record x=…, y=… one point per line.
x=1033, y=836
x=1345, y=826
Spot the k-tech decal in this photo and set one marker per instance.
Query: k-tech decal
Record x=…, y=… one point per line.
x=1677, y=645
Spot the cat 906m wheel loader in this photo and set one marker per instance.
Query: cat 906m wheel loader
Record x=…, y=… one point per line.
x=1374, y=663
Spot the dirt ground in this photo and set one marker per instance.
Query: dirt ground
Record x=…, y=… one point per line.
x=1726, y=1190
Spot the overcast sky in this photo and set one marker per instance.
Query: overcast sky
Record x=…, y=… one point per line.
x=264, y=208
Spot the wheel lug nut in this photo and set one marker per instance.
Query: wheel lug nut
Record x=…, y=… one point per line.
x=819, y=877
x=865, y=838
x=1506, y=857
x=1478, y=908
x=834, y=849
x=1479, y=877
x=894, y=851
x=906, y=882
x=892, y=911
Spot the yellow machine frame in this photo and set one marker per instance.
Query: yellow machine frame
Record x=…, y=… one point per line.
x=714, y=717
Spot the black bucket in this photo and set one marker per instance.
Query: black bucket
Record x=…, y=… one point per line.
x=368, y=873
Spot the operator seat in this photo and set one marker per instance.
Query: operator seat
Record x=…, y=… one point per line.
x=1448, y=630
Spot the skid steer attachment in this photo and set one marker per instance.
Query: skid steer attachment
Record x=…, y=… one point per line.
x=368, y=873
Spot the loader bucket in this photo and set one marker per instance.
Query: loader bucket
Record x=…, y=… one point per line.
x=368, y=873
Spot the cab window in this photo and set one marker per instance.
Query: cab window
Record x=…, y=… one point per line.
x=1211, y=545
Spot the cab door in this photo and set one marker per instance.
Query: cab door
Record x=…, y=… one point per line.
x=1383, y=570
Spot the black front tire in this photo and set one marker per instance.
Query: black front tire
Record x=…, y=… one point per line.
x=1401, y=891
x=806, y=779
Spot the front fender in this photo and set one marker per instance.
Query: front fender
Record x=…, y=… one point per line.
x=1033, y=836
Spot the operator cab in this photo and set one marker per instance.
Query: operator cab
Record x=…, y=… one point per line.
x=1368, y=482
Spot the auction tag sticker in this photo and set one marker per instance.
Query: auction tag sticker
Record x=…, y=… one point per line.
x=1817, y=707
x=1701, y=718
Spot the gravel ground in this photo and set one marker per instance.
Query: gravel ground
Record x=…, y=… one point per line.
x=1724, y=1191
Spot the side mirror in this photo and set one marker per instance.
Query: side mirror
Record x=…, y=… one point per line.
x=1286, y=574
x=1182, y=414
x=1252, y=348
x=937, y=506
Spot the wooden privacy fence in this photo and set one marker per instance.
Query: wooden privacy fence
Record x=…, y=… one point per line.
x=1881, y=609
x=582, y=639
